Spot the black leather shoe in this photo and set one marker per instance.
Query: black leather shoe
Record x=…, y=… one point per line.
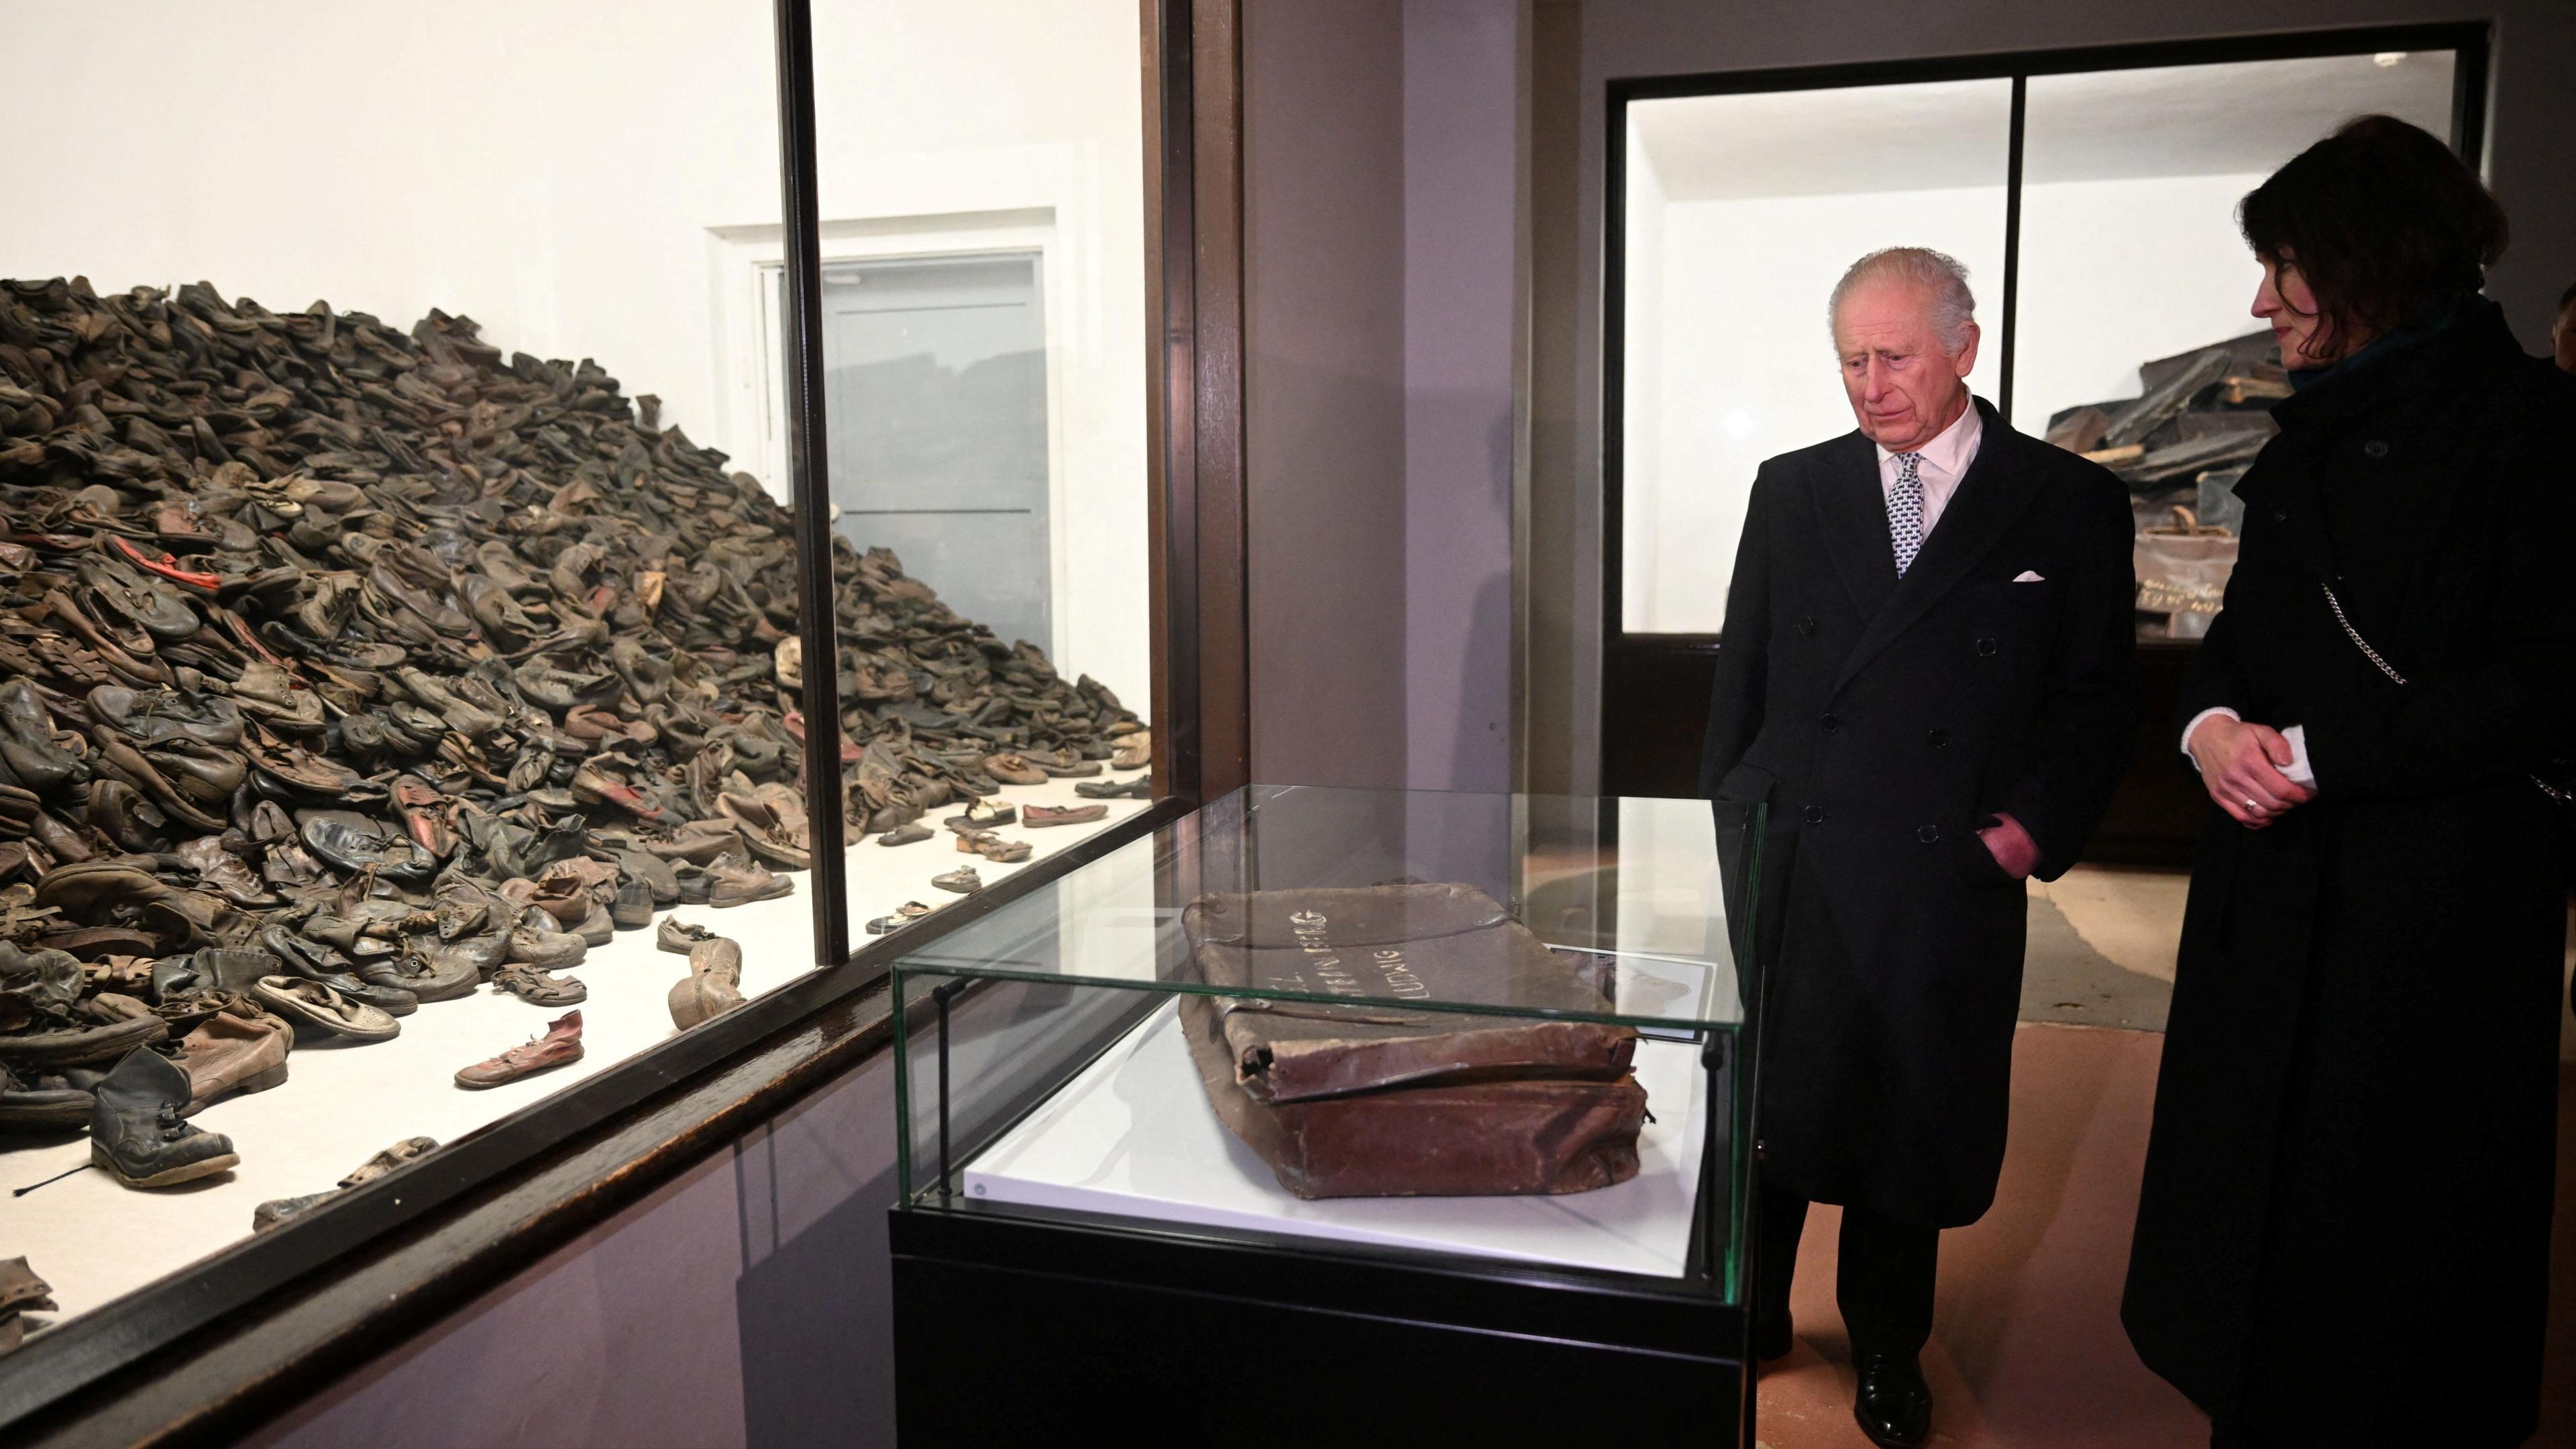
x=1894, y=1404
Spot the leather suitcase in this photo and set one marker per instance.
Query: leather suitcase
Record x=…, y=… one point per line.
x=1352, y=1100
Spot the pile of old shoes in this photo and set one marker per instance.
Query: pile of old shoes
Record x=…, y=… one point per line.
x=713, y=985
x=47, y=1024
x=345, y=669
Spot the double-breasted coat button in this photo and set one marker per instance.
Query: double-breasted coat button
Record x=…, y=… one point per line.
x=1807, y=624
x=1936, y=738
x=1830, y=723
x=2374, y=449
x=1986, y=648
x=1928, y=834
x=1815, y=815
x=2280, y=515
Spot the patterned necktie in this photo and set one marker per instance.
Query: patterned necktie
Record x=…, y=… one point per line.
x=1905, y=510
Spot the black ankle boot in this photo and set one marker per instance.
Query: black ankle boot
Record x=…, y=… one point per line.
x=135, y=1131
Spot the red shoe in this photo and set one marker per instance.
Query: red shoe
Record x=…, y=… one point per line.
x=560, y=1044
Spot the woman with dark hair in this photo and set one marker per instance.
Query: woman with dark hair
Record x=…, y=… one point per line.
x=2343, y=1235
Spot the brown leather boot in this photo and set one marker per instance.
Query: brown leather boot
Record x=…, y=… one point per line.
x=714, y=983
x=230, y=1053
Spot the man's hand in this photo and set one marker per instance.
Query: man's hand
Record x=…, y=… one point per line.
x=2240, y=764
x=2011, y=846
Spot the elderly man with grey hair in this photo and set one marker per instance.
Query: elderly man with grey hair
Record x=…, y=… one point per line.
x=1928, y=674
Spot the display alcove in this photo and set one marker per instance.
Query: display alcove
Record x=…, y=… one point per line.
x=182, y=1323
x=1088, y=1241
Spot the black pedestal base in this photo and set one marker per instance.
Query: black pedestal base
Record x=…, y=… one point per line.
x=1017, y=1329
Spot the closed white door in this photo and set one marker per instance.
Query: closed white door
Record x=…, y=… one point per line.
x=937, y=420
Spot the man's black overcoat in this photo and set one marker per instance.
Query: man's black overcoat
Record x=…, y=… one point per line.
x=1885, y=721
x=2344, y=1228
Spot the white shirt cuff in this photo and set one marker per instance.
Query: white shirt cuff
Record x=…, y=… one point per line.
x=2194, y=728
x=2298, y=770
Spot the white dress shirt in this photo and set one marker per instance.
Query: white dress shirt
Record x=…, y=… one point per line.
x=1945, y=461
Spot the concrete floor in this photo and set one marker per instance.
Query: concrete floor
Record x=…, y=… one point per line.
x=2027, y=1350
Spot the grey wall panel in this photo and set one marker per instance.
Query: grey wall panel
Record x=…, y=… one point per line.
x=1324, y=415
x=1382, y=177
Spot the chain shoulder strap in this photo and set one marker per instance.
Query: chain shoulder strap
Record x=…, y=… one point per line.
x=2354, y=635
x=2554, y=792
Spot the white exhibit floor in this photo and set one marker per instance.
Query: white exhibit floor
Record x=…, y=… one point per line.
x=93, y=1239
x=1134, y=1135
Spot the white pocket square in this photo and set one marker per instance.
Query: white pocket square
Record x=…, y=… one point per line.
x=2028, y=577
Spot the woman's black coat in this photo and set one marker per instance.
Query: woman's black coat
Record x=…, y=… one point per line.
x=2343, y=1234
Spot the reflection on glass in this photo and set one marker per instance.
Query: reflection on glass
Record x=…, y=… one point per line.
x=981, y=200
x=1741, y=212
x=1638, y=877
x=404, y=593
x=2134, y=341
x=938, y=416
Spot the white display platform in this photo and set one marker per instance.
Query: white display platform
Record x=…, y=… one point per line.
x=1134, y=1136
x=94, y=1239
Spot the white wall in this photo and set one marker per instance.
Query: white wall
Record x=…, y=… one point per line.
x=929, y=108
x=590, y=177
x=1732, y=365
x=1744, y=367
x=1645, y=308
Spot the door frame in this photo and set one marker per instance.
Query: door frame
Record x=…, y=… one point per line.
x=752, y=291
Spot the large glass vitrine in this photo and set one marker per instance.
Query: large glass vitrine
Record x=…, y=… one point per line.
x=1186, y=1046
x=657, y=508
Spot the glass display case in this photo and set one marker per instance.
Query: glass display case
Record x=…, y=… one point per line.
x=453, y=691
x=1480, y=1054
